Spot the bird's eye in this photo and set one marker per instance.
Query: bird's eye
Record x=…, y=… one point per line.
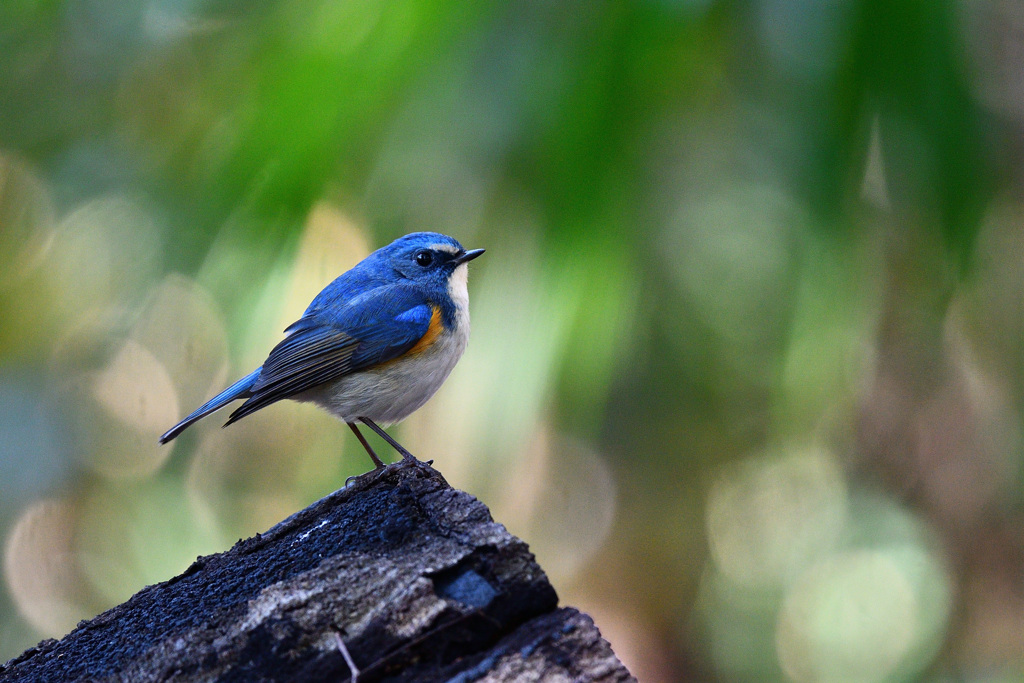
x=424, y=258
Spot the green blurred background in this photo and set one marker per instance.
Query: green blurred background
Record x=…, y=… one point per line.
x=746, y=369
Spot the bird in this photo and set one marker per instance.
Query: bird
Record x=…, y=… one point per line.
x=372, y=347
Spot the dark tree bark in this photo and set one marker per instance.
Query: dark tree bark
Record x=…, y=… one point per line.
x=398, y=574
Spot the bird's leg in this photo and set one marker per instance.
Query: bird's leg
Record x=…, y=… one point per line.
x=406, y=455
x=362, y=439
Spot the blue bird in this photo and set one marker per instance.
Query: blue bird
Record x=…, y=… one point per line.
x=373, y=346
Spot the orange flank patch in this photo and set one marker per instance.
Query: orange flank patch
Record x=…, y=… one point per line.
x=434, y=330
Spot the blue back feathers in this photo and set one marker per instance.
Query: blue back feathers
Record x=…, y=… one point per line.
x=388, y=267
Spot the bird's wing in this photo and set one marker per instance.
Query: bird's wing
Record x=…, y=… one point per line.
x=322, y=348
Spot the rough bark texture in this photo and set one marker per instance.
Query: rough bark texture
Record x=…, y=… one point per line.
x=407, y=576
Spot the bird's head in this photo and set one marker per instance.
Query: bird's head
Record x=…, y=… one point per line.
x=429, y=257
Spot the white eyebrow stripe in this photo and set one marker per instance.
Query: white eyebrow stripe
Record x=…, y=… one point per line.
x=444, y=247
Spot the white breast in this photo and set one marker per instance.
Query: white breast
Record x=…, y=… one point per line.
x=391, y=392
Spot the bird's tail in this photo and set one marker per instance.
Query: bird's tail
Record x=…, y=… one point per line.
x=239, y=389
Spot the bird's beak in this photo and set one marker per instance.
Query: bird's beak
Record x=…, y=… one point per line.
x=468, y=256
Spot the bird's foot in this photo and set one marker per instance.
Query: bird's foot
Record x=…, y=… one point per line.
x=365, y=476
x=408, y=459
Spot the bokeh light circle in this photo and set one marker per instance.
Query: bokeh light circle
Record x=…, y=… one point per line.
x=849, y=619
x=774, y=513
x=41, y=568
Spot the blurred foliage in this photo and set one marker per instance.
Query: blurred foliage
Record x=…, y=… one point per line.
x=746, y=365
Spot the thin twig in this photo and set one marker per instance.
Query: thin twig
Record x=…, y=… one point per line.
x=348, y=658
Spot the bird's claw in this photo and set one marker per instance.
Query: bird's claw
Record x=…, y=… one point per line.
x=372, y=474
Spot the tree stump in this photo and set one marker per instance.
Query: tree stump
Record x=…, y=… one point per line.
x=397, y=577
